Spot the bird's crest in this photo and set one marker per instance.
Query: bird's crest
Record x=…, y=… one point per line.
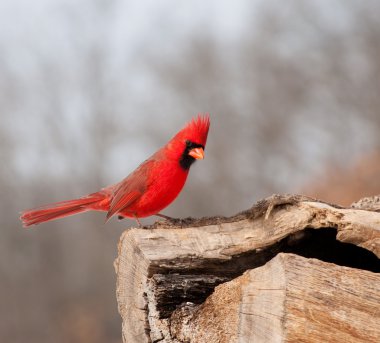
x=197, y=129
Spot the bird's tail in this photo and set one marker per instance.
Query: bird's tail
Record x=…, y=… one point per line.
x=61, y=209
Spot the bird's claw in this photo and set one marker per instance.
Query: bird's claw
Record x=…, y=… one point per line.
x=170, y=219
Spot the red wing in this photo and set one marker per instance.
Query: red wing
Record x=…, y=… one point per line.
x=130, y=189
x=122, y=202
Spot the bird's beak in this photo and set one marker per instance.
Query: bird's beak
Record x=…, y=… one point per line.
x=197, y=153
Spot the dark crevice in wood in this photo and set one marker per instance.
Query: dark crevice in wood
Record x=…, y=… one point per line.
x=323, y=245
x=173, y=289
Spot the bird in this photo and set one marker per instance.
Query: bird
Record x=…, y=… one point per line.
x=150, y=188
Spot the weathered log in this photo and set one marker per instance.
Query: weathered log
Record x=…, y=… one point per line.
x=289, y=299
x=165, y=272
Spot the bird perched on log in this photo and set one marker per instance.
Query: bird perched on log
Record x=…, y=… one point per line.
x=151, y=187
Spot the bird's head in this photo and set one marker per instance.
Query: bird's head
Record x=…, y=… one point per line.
x=189, y=144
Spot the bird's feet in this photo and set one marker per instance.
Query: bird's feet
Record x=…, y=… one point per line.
x=165, y=217
x=137, y=220
x=175, y=221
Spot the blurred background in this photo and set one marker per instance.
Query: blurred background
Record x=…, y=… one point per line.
x=89, y=89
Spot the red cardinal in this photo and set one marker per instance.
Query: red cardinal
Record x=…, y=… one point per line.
x=147, y=190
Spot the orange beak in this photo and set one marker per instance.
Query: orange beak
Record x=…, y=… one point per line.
x=197, y=153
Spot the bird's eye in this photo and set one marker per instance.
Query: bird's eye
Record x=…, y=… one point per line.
x=188, y=143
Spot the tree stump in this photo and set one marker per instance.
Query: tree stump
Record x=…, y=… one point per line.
x=290, y=269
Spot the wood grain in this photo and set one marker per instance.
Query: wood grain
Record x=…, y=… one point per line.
x=290, y=299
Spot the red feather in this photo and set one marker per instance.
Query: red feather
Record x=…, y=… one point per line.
x=144, y=192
